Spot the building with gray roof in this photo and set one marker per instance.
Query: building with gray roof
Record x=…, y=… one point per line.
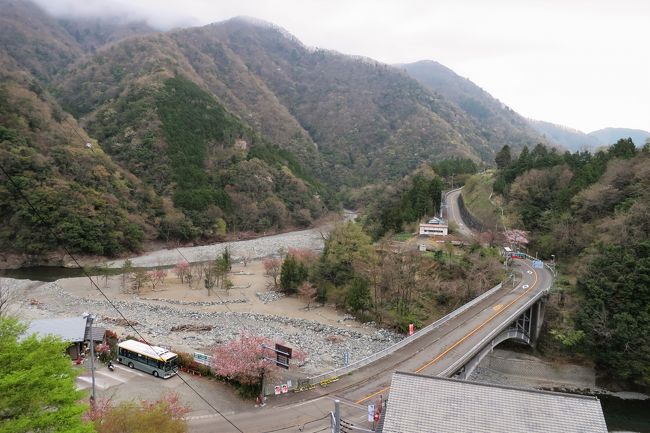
x=433, y=404
x=73, y=330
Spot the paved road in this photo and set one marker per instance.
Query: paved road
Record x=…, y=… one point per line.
x=453, y=212
x=432, y=354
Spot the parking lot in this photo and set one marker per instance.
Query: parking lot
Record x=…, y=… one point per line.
x=124, y=384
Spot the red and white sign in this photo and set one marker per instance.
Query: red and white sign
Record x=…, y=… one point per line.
x=278, y=390
x=285, y=388
x=410, y=329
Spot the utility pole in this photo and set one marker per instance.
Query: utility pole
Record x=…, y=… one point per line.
x=90, y=318
x=337, y=416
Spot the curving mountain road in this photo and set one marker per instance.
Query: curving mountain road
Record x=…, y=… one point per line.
x=436, y=353
x=439, y=352
x=453, y=212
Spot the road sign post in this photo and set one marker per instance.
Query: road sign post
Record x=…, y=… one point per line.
x=282, y=355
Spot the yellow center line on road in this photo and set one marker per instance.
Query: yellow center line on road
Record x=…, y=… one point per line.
x=460, y=341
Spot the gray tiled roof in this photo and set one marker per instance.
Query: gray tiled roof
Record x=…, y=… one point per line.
x=98, y=333
x=431, y=404
x=72, y=329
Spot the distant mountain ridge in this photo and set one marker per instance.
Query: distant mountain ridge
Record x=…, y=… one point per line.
x=231, y=126
x=574, y=139
x=612, y=135
x=496, y=121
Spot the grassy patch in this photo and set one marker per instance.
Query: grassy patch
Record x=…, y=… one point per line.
x=476, y=194
x=403, y=237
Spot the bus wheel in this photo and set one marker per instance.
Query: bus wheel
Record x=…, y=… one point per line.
x=130, y=365
x=155, y=374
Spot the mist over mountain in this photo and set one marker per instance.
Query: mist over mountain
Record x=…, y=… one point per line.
x=570, y=138
x=574, y=139
x=609, y=136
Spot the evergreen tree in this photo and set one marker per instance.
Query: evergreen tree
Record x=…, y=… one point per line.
x=624, y=148
x=358, y=295
x=503, y=158
x=292, y=274
x=615, y=314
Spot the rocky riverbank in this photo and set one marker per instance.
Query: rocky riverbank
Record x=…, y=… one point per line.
x=507, y=367
x=251, y=249
x=325, y=344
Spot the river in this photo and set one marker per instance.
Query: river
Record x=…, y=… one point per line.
x=620, y=414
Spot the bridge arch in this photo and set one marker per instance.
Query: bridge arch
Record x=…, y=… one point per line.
x=509, y=334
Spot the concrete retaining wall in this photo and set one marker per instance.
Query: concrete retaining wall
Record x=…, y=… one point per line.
x=468, y=218
x=536, y=370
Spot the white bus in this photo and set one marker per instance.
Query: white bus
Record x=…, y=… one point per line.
x=151, y=359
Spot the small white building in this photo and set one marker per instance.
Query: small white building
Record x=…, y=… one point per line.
x=434, y=227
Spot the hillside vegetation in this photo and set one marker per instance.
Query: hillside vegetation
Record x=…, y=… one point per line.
x=591, y=212
x=479, y=201
x=82, y=195
x=167, y=160
x=235, y=126
x=498, y=124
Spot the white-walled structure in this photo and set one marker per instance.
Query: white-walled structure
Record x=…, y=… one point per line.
x=434, y=227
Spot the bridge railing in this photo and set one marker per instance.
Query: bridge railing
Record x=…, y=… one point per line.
x=551, y=269
x=420, y=333
x=490, y=336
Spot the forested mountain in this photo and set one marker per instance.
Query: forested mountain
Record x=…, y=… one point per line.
x=368, y=120
x=171, y=162
x=498, y=124
x=591, y=211
x=234, y=126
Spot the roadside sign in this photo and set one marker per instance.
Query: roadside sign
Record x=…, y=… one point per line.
x=285, y=388
x=278, y=390
x=371, y=412
x=202, y=358
x=410, y=329
x=282, y=355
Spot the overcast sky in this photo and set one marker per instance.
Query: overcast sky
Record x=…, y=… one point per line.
x=580, y=63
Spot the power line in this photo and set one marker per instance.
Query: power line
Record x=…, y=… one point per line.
x=75, y=129
x=18, y=191
x=300, y=426
x=224, y=303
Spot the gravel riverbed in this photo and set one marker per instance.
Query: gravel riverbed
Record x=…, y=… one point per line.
x=252, y=249
x=323, y=333
x=324, y=344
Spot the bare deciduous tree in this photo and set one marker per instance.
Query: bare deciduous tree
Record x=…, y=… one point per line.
x=308, y=293
x=8, y=295
x=272, y=268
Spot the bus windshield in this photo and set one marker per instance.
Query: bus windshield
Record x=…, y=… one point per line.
x=171, y=364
